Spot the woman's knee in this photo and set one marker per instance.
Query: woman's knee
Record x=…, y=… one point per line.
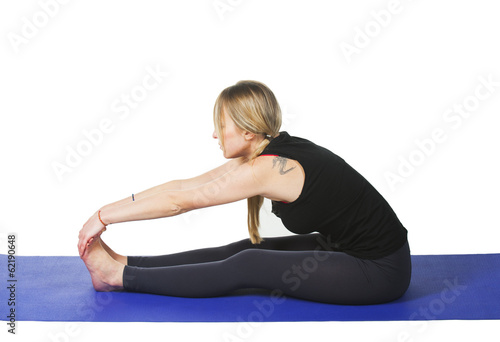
x=236, y=247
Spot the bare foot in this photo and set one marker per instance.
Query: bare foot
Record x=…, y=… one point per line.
x=118, y=257
x=106, y=273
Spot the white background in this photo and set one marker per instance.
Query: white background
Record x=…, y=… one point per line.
x=70, y=68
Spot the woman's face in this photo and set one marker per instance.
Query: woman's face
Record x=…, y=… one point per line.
x=235, y=144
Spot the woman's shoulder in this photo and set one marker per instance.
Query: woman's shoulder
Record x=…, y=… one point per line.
x=283, y=177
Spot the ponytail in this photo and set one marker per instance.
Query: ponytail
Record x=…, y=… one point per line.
x=255, y=203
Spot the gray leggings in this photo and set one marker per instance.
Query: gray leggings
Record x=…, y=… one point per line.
x=300, y=266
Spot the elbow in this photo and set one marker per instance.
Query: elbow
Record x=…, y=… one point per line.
x=178, y=205
x=175, y=210
x=181, y=202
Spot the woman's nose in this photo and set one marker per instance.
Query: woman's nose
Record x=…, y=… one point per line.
x=214, y=135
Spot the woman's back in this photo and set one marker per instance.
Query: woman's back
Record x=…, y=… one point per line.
x=337, y=201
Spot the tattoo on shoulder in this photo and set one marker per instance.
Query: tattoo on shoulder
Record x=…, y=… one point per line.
x=282, y=165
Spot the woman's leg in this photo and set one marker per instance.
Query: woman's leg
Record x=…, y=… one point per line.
x=324, y=276
x=290, y=243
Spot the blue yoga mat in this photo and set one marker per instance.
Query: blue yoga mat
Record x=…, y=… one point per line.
x=443, y=287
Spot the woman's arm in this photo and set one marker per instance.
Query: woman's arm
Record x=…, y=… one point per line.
x=242, y=180
x=180, y=184
x=153, y=203
x=238, y=183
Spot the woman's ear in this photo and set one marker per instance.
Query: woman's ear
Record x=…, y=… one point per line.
x=248, y=136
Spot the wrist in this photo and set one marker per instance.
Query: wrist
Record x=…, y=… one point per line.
x=102, y=218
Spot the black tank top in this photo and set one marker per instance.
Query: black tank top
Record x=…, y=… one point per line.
x=337, y=202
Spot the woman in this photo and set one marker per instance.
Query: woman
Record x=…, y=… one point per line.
x=350, y=247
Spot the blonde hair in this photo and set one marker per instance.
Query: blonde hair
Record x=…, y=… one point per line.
x=253, y=108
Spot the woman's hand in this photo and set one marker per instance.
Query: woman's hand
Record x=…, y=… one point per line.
x=91, y=229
